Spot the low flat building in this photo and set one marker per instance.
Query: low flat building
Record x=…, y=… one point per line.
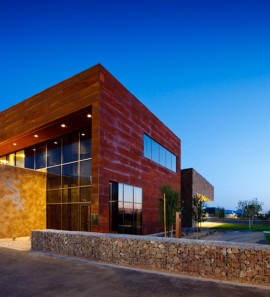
x=192, y=185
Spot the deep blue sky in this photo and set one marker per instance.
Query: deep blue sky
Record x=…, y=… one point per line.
x=203, y=67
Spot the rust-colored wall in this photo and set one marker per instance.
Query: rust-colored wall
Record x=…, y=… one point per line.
x=119, y=122
x=123, y=121
x=22, y=201
x=56, y=102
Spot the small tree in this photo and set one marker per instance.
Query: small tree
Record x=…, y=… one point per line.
x=220, y=212
x=250, y=208
x=198, y=211
x=172, y=206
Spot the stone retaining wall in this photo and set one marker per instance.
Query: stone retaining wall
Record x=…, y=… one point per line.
x=247, y=263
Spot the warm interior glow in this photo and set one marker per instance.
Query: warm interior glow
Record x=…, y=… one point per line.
x=204, y=198
x=36, y=135
x=89, y=115
x=63, y=125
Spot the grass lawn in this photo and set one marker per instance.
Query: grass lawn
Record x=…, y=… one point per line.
x=239, y=227
x=267, y=237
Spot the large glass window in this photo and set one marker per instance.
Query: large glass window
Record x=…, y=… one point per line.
x=85, y=194
x=70, y=195
x=20, y=159
x=29, y=161
x=155, y=152
x=54, y=152
x=125, y=208
x=3, y=160
x=40, y=156
x=11, y=159
x=54, y=196
x=173, y=163
x=85, y=144
x=159, y=154
x=70, y=147
x=54, y=178
x=168, y=159
x=162, y=156
x=54, y=216
x=69, y=176
x=67, y=161
x=85, y=173
x=147, y=147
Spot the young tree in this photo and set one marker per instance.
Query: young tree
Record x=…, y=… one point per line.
x=220, y=212
x=171, y=206
x=198, y=210
x=250, y=208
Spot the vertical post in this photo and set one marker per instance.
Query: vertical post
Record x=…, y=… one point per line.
x=164, y=206
x=178, y=224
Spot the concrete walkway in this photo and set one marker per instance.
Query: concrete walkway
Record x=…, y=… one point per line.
x=27, y=274
x=238, y=236
x=20, y=243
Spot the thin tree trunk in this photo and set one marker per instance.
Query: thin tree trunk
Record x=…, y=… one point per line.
x=171, y=230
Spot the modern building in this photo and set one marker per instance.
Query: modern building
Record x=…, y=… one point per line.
x=192, y=185
x=84, y=155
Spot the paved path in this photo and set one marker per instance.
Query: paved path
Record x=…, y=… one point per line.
x=238, y=236
x=27, y=274
x=19, y=243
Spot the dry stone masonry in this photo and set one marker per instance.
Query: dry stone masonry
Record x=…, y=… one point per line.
x=246, y=263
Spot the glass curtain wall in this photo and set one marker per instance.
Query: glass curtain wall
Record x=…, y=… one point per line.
x=69, y=179
x=68, y=163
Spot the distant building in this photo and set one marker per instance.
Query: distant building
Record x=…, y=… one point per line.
x=84, y=155
x=192, y=184
x=211, y=211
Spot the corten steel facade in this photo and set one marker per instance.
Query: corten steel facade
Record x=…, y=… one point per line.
x=100, y=131
x=192, y=184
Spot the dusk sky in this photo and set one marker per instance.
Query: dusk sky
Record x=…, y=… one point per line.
x=202, y=67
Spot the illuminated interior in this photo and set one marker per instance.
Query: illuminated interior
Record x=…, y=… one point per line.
x=63, y=150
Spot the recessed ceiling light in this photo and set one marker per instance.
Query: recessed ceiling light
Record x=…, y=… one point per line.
x=36, y=135
x=63, y=125
x=89, y=115
x=55, y=142
x=83, y=134
x=14, y=143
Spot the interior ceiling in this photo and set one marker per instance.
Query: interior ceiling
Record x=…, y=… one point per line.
x=54, y=129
